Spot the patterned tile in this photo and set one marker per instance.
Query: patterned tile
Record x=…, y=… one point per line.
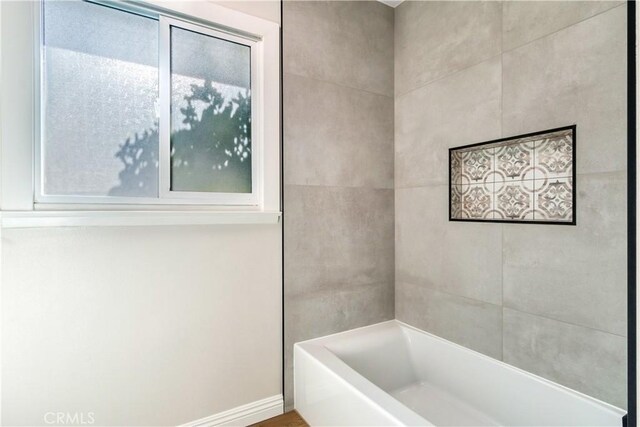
x=476, y=165
x=514, y=160
x=514, y=201
x=456, y=201
x=554, y=156
x=477, y=202
x=554, y=200
x=521, y=179
x=456, y=168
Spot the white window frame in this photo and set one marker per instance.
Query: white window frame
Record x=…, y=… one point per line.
x=164, y=65
x=209, y=19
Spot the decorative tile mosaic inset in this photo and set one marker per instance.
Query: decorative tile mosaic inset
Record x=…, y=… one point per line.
x=526, y=178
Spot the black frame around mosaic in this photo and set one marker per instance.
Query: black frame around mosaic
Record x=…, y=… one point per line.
x=515, y=140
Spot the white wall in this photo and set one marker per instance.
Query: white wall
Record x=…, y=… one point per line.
x=138, y=325
x=142, y=326
x=265, y=9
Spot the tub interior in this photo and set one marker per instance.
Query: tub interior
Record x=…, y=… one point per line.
x=451, y=386
x=381, y=356
x=385, y=358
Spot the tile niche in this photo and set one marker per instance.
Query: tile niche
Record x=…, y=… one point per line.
x=526, y=179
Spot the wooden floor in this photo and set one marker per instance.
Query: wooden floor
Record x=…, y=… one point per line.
x=289, y=419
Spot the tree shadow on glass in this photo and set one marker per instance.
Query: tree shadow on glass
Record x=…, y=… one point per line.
x=211, y=153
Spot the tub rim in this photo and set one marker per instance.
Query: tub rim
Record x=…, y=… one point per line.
x=317, y=349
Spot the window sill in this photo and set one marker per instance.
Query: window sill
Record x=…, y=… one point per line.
x=36, y=219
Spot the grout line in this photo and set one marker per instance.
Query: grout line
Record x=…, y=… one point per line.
x=502, y=284
x=501, y=27
x=424, y=185
x=564, y=321
x=512, y=309
x=440, y=183
x=452, y=73
x=447, y=292
x=342, y=85
x=351, y=187
x=564, y=28
x=422, y=85
x=502, y=77
x=502, y=340
x=336, y=289
x=605, y=173
x=393, y=165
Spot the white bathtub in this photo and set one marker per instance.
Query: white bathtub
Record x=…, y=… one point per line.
x=394, y=374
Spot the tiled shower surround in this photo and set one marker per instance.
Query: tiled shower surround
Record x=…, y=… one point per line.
x=522, y=179
x=338, y=169
x=549, y=299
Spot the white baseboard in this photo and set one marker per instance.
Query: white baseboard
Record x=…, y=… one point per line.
x=244, y=415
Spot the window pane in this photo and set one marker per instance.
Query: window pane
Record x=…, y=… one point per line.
x=100, y=92
x=210, y=114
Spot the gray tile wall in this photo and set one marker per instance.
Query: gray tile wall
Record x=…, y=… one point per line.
x=549, y=299
x=338, y=169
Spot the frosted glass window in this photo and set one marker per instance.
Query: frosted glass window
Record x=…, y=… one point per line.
x=100, y=134
x=210, y=114
x=139, y=107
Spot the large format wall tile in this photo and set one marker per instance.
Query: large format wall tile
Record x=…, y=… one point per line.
x=344, y=42
x=456, y=257
x=562, y=63
x=316, y=314
x=433, y=39
x=338, y=168
x=467, y=322
x=575, y=274
x=575, y=76
x=525, y=21
x=460, y=109
x=321, y=313
x=352, y=144
x=586, y=360
x=336, y=237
